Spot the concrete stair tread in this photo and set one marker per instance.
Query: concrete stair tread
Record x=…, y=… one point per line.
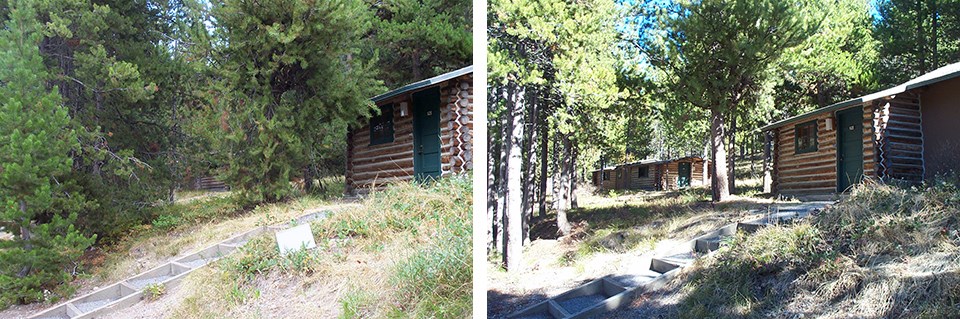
x=636, y=279
x=667, y=263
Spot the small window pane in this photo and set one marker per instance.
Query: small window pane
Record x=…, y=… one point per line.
x=643, y=172
x=806, y=137
x=381, y=126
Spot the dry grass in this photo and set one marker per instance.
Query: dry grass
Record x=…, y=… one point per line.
x=884, y=252
x=403, y=252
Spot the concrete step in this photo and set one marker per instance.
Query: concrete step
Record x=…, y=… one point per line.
x=671, y=262
x=706, y=245
x=576, y=302
x=635, y=279
x=750, y=227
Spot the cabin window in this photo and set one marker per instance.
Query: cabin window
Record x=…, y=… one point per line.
x=643, y=172
x=606, y=175
x=805, y=140
x=381, y=126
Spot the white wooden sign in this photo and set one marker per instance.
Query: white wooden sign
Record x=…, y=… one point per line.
x=295, y=238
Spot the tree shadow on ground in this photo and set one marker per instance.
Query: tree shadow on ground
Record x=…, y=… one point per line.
x=653, y=211
x=501, y=304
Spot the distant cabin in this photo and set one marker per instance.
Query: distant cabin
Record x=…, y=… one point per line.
x=910, y=132
x=654, y=174
x=424, y=130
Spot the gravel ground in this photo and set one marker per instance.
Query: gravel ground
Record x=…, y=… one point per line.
x=195, y=263
x=90, y=306
x=140, y=283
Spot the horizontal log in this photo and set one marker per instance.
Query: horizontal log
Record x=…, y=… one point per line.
x=906, y=160
x=384, y=165
x=396, y=150
x=807, y=159
x=808, y=185
x=903, y=154
x=809, y=191
x=912, y=147
x=808, y=178
x=398, y=137
x=903, y=132
x=909, y=104
x=359, y=177
x=904, y=112
x=903, y=120
x=905, y=140
x=806, y=170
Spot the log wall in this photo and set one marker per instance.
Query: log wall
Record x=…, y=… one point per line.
x=670, y=172
x=372, y=166
x=900, y=138
x=645, y=183
x=816, y=172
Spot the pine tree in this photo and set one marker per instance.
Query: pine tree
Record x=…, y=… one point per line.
x=417, y=39
x=36, y=138
x=714, y=56
x=293, y=83
x=552, y=69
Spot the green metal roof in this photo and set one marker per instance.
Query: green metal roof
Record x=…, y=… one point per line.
x=939, y=75
x=423, y=84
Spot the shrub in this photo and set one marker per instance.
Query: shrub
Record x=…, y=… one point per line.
x=154, y=291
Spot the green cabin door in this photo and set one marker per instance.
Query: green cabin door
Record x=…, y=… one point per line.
x=426, y=134
x=849, y=147
x=683, y=178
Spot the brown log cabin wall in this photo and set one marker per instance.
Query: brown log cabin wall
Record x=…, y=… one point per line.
x=645, y=183
x=816, y=172
x=670, y=172
x=605, y=184
x=376, y=165
x=900, y=138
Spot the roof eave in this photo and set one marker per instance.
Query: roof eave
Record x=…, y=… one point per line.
x=423, y=84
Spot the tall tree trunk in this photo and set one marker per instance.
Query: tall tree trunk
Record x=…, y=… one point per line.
x=544, y=138
x=531, y=132
x=767, y=159
x=555, y=176
x=922, y=46
x=499, y=175
x=564, y=201
x=574, y=152
x=934, y=28
x=514, y=211
x=718, y=155
x=495, y=231
x=732, y=168
x=26, y=235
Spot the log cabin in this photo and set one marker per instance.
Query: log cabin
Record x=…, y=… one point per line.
x=651, y=175
x=423, y=130
x=907, y=133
